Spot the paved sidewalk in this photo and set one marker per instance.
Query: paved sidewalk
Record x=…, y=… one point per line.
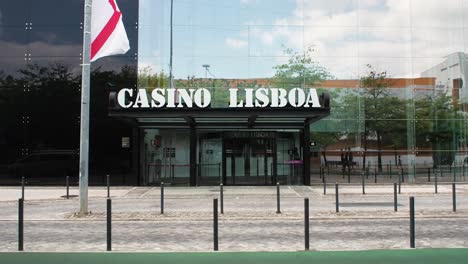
x=250, y=222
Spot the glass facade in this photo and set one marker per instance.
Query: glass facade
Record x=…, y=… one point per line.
x=40, y=79
x=395, y=69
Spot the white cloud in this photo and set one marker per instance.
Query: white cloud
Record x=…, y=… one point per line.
x=401, y=36
x=236, y=43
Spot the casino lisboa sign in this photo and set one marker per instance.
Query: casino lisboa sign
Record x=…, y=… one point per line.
x=201, y=98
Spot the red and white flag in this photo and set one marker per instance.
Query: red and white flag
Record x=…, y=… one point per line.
x=108, y=35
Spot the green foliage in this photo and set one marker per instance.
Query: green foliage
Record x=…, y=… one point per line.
x=300, y=70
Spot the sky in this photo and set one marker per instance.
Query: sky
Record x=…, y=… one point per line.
x=246, y=38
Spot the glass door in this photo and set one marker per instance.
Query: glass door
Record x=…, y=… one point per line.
x=249, y=161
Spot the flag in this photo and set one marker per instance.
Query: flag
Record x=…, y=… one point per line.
x=108, y=35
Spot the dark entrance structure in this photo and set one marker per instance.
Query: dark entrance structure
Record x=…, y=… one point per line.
x=233, y=146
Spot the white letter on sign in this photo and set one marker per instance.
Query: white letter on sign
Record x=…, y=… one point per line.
x=121, y=97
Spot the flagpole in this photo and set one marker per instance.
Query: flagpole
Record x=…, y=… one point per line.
x=84, y=124
x=171, y=48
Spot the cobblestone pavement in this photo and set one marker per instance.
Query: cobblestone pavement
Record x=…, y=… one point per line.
x=250, y=222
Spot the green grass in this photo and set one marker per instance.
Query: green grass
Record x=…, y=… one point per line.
x=423, y=256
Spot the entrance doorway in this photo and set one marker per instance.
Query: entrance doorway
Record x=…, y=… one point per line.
x=249, y=158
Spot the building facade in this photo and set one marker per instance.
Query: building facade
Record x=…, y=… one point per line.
x=394, y=69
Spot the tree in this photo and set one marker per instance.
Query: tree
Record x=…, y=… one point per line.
x=381, y=110
x=439, y=126
x=300, y=70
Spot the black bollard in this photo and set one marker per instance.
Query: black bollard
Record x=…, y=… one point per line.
x=349, y=175
x=363, y=183
x=108, y=185
x=412, y=223
x=390, y=169
x=68, y=186
x=221, y=196
x=324, y=185
x=306, y=223
x=337, y=202
x=22, y=187
x=402, y=175
x=162, y=197
x=436, y=183
x=278, y=206
x=375, y=175
x=399, y=184
x=20, y=224
x=215, y=224
x=109, y=224
x=428, y=174
x=454, y=197
x=395, y=197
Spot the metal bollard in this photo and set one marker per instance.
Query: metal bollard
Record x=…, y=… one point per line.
x=454, y=170
x=306, y=223
x=162, y=197
x=428, y=174
x=215, y=224
x=324, y=185
x=412, y=223
x=278, y=206
x=221, y=196
x=402, y=175
x=108, y=185
x=68, y=186
x=395, y=197
x=375, y=175
x=399, y=183
x=454, y=197
x=390, y=169
x=337, y=202
x=22, y=187
x=109, y=224
x=435, y=183
x=363, y=184
x=20, y=224
x=349, y=175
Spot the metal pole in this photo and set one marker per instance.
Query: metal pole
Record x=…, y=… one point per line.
x=412, y=223
x=349, y=175
x=109, y=224
x=221, y=198
x=84, y=121
x=428, y=174
x=108, y=185
x=171, y=47
x=375, y=175
x=454, y=197
x=337, y=202
x=20, y=224
x=68, y=186
x=22, y=187
x=395, y=197
x=306, y=223
x=363, y=183
x=162, y=197
x=399, y=183
x=435, y=183
x=215, y=224
x=324, y=184
x=390, y=169
x=278, y=205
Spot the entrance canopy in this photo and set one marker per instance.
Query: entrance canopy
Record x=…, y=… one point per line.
x=286, y=117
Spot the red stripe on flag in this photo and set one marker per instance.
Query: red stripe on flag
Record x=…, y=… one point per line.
x=107, y=31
